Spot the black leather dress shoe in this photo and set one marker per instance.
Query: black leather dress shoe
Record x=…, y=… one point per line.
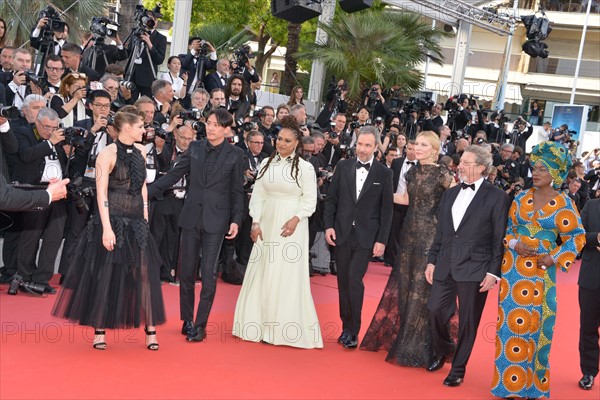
x=187, y=327
x=197, y=334
x=586, y=382
x=49, y=289
x=333, y=268
x=344, y=336
x=436, y=363
x=453, y=380
x=351, y=342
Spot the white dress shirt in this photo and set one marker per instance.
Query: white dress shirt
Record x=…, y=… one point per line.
x=401, y=189
x=462, y=201
x=361, y=176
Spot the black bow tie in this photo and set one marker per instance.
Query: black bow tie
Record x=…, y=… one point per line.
x=360, y=165
x=411, y=163
x=466, y=186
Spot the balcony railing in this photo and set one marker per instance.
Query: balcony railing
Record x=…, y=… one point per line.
x=573, y=6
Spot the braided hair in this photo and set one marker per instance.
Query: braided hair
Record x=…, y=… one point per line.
x=290, y=123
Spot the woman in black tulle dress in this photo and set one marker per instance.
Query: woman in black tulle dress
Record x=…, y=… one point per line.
x=401, y=323
x=115, y=283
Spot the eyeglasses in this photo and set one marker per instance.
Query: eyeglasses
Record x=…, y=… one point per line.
x=468, y=163
x=111, y=88
x=55, y=69
x=256, y=142
x=102, y=106
x=49, y=127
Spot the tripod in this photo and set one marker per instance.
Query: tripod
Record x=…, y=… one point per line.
x=90, y=58
x=200, y=70
x=46, y=48
x=135, y=56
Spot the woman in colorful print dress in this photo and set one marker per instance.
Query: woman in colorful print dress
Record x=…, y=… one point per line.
x=527, y=309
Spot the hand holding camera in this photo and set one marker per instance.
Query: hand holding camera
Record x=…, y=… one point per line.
x=80, y=94
x=19, y=78
x=42, y=23
x=99, y=125
x=57, y=136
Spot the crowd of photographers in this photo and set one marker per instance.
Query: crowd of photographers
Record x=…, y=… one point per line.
x=57, y=116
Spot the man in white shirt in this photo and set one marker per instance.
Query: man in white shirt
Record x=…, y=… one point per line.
x=464, y=259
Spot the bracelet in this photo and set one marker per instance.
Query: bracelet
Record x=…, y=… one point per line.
x=255, y=226
x=145, y=205
x=512, y=244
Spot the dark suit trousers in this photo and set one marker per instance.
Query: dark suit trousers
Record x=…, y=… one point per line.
x=11, y=244
x=589, y=350
x=191, y=242
x=74, y=228
x=164, y=225
x=393, y=246
x=47, y=225
x=442, y=305
x=352, y=264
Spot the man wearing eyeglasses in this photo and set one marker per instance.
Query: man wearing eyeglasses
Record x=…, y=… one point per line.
x=41, y=160
x=55, y=67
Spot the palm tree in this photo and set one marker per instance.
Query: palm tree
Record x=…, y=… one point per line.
x=291, y=60
x=377, y=46
x=23, y=16
x=225, y=38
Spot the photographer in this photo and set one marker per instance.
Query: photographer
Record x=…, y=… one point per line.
x=593, y=179
x=522, y=131
x=55, y=67
x=60, y=37
x=71, y=55
x=332, y=151
x=83, y=165
x=17, y=84
x=218, y=79
x=447, y=147
x=145, y=71
x=495, y=128
x=162, y=94
x=164, y=222
x=241, y=65
x=335, y=102
x=462, y=116
x=235, y=97
x=199, y=100
x=41, y=160
x=69, y=103
x=106, y=54
x=584, y=189
x=433, y=121
x=515, y=189
x=217, y=98
x=508, y=168
x=375, y=103
x=561, y=135
x=196, y=62
x=267, y=127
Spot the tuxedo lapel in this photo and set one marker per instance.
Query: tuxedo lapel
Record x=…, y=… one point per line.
x=479, y=196
x=370, y=179
x=452, y=195
x=352, y=183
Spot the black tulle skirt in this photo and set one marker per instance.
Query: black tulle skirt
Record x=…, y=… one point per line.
x=114, y=289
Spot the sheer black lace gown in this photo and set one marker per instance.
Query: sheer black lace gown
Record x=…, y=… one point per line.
x=401, y=323
x=119, y=288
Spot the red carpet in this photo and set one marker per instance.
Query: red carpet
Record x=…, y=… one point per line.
x=43, y=357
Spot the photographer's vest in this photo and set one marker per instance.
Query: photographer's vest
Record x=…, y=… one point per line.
x=76, y=114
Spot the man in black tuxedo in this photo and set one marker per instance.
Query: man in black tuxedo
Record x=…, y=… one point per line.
x=236, y=99
x=433, y=121
x=589, y=295
x=16, y=87
x=156, y=45
x=12, y=199
x=41, y=160
x=464, y=259
x=218, y=79
x=190, y=62
x=71, y=55
x=357, y=219
x=60, y=38
x=106, y=54
x=212, y=209
x=447, y=147
x=400, y=166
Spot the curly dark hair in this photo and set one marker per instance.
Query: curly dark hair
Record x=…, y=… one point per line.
x=291, y=124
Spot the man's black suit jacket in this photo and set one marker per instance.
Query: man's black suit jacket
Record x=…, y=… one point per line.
x=396, y=169
x=12, y=199
x=189, y=63
x=215, y=190
x=142, y=75
x=212, y=81
x=370, y=214
x=337, y=154
x=8, y=145
x=32, y=156
x=589, y=273
x=475, y=248
x=112, y=53
x=9, y=95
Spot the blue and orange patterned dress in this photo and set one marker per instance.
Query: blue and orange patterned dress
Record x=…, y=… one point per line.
x=527, y=306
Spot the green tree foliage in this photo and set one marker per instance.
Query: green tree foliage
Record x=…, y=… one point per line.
x=377, y=46
x=22, y=16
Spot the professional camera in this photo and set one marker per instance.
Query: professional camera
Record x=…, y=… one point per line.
x=326, y=173
x=29, y=287
x=127, y=85
x=77, y=193
x=103, y=27
x=75, y=137
x=192, y=118
x=55, y=24
x=347, y=151
x=242, y=55
x=473, y=100
x=374, y=94
x=9, y=112
x=30, y=76
x=145, y=22
x=396, y=104
x=517, y=188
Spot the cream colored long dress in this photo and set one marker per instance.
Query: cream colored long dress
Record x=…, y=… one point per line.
x=275, y=304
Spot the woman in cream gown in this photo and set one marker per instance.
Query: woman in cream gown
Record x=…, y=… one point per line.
x=275, y=304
